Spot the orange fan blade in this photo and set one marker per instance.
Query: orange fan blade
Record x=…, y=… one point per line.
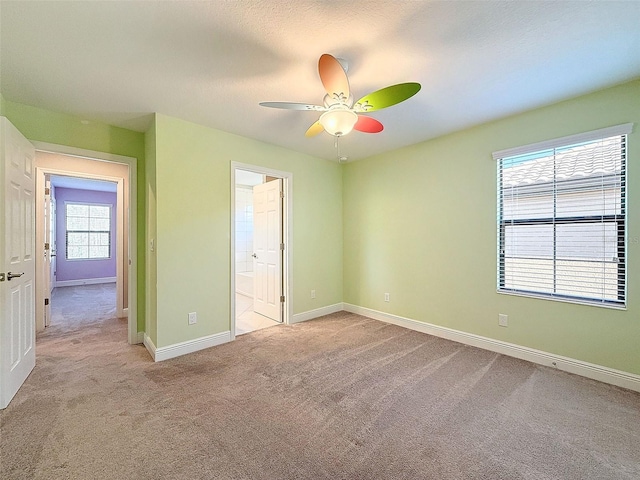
x=314, y=130
x=333, y=77
x=368, y=125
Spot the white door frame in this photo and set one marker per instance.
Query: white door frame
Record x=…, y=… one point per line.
x=287, y=227
x=131, y=311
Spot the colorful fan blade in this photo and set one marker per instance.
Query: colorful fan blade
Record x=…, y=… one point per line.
x=368, y=125
x=386, y=97
x=333, y=77
x=293, y=106
x=314, y=130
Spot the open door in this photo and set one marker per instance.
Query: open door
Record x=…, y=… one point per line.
x=52, y=242
x=268, y=249
x=48, y=273
x=17, y=263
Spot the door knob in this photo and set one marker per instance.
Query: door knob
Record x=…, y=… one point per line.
x=14, y=275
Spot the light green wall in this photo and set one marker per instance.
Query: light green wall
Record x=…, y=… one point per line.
x=193, y=194
x=151, y=325
x=420, y=223
x=42, y=125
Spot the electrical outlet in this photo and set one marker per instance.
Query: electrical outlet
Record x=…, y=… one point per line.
x=386, y=297
x=313, y=294
x=193, y=318
x=503, y=320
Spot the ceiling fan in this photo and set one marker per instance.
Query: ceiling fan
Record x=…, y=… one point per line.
x=340, y=113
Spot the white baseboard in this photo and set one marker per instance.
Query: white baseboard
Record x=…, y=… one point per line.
x=84, y=281
x=140, y=338
x=177, y=349
x=318, y=312
x=571, y=365
x=149, y=345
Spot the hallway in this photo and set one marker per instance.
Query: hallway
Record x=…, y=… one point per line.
x=74, y=308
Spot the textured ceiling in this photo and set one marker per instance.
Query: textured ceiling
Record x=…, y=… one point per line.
x=83, y=184
x=213, y=62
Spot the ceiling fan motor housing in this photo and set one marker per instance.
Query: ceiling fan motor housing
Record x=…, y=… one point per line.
x=330, y=100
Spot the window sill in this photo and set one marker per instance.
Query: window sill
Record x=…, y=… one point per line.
x=575, y=301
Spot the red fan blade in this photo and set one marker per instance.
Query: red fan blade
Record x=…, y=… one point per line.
x=368, y=125
x=314, y=130
x=333, y=77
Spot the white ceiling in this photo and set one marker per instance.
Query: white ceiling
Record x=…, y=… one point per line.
x=212, y=62
x=83, y=184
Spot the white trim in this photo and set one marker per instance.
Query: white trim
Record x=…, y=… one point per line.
x=140, y=338
x=81, y=152
x=571, y=365
x=178, y=349
x=558, y=298
x=287, y=225
x=132, y=213
x=85, y=281
x=318, y=312
x=625, y=128
x=149, y=345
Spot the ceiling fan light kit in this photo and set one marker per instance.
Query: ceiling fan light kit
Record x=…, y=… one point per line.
x=340, y=114
x=339, y=121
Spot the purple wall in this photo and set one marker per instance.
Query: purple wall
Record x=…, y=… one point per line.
x=82, y=269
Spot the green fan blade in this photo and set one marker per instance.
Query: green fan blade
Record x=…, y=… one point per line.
x=385, y=97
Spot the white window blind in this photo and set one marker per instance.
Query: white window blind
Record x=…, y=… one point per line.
x=88, y=233
x=562, y=220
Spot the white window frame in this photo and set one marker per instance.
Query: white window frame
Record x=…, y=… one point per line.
x=66, y=232
x=595, y=135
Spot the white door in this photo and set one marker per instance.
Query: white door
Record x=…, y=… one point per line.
x=54, y=248
x=17, y=263
x=49, y=249
x=267, y=243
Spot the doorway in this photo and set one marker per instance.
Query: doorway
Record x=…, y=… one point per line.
x=80, y=261
x=260, y=248
x=100, y=171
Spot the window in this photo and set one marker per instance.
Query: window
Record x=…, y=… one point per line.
x=562, y=218
x=88, y=231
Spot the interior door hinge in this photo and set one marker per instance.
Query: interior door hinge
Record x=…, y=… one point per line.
x=46, y=301
x=46, y=246
x=282, y=246
x=281, y=194
x=47, y=191
x=282, y=298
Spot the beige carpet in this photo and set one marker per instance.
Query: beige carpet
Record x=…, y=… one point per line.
x=342, y=397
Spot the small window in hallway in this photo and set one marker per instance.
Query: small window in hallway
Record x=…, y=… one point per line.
x=88, y=231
